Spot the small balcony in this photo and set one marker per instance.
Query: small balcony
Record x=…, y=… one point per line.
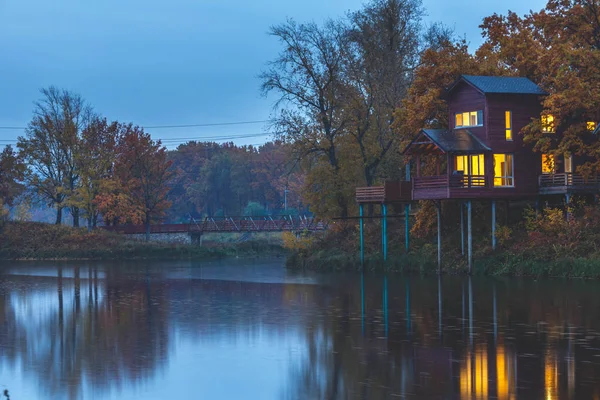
x=568, y=183
x=446, y=187
x=390, y=192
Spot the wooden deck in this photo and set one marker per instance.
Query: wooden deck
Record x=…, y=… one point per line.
x=568, y=183
x=472, y=187
x=390, y=192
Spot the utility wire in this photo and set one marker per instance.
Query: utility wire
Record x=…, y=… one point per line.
x=169, y=126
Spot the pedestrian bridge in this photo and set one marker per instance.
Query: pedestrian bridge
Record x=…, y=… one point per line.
x=286, y=223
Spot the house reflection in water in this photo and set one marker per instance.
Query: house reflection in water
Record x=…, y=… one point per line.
x=476, y=370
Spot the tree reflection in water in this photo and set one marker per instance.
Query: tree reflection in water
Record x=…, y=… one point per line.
x=82, y=329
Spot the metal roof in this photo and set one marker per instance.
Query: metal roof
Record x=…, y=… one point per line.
x=503, y=84
x=456, y=141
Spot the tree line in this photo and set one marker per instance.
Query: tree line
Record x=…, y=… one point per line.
x=71, y=158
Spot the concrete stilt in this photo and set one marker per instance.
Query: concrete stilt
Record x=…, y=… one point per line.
x=408, y=310
x=385, y=304
x=567, y=203
x=495, y=316
x=469, y=237
x=362, y=302
x=493, y=224
x=362, y=236
x=384, y=231
x=470, y=311
x=407, y=227
x=440, y=306
x=439, y=236
x=462, y=228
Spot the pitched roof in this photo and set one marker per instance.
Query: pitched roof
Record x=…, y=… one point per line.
x=501, y=84
x=456, y=141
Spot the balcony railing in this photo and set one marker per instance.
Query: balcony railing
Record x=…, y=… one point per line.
x=567, y=179
x=454, y=181
x=390, y=192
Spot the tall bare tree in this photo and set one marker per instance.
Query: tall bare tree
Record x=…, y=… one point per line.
x=50, y=145
x=308, y=78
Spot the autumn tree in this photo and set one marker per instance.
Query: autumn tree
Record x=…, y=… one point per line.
x=50, y=147
x=380, y=56
x=143, y=173
x=95, y=160
x=558, y=48
x=12, y=175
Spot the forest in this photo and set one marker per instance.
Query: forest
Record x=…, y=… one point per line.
x=350, y=94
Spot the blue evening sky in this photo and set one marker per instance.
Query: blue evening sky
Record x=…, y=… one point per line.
x=172, y=62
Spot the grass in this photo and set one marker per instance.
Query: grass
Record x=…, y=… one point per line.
x=40, y=241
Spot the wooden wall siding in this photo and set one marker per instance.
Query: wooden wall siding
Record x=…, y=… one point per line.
x=527, y=163
x=466, y=98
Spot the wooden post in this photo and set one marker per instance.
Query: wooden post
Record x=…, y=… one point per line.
x=384, y=230
x=439, y=235
x=407, y=226
x=462, y=228
x=362, y=236
x=470, y=171
x=418, y=166
x=469, y=237
x=567, y=202
x=493, y=224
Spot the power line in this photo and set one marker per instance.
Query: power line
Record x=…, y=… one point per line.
x=169, y=126
x=171, y=141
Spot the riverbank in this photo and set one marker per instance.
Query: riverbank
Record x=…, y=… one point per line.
x=545, y=245
x=40, y=241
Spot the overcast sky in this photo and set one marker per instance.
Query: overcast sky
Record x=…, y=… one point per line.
x=170, y=62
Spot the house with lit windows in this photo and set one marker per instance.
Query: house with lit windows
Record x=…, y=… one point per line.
x=482, y=155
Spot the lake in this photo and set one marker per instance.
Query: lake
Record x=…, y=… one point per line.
x=253, y=330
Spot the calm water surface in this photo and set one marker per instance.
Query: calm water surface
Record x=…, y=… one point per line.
x=252, y=330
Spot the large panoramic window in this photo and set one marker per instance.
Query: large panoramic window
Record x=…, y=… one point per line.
x=548, y=165
x=477, y=168
x=508, y=124
x=469, y=118
x=548, y=123
x=504, y=170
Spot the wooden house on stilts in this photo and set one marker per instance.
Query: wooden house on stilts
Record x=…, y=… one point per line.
x=481, y=156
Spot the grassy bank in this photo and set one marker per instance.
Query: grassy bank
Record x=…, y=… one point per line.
x=39, y=241
x=545, y=245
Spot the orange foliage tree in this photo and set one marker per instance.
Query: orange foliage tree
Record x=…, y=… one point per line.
x=138, y=190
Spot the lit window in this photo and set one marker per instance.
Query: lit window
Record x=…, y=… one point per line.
x=477, y=168
x=508, y=124
x=503, y=170
x=548, y=164
x=591, y=126
x=548, y=123
x=470, y=118
x=569, y=164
